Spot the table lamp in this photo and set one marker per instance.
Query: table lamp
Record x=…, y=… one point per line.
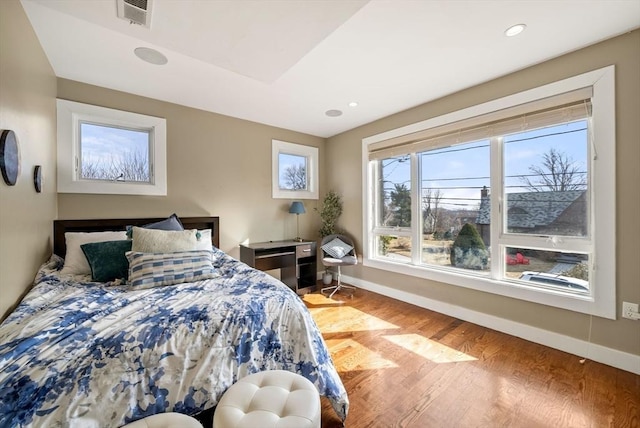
x=297, y=208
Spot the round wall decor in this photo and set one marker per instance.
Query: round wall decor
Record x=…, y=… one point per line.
x=37, y=178
x=9, y=157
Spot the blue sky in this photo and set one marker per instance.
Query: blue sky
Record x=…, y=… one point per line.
x=286, y=161
x=102, y=144
x=461, y=171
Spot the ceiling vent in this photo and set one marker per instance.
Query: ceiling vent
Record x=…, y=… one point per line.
x=135, y=11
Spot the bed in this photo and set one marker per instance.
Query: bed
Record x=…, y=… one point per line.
x=76, y=352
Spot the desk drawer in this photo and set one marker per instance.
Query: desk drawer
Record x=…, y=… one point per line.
x=305, y=250
x=275, y=261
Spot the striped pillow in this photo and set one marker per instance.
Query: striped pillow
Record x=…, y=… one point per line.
x=148, y=270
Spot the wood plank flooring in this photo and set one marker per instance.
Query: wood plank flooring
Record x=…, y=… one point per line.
x=405, y=366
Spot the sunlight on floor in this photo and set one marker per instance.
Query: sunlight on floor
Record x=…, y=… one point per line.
x=319, y=299
x=349, y=355
x=345, y=318
x=429, y=349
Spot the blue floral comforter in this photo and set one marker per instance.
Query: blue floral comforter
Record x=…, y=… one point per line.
x=95, y=355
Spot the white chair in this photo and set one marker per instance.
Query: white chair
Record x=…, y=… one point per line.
x=338, y=250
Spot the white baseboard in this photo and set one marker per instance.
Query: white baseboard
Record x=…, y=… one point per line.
x=611, y=357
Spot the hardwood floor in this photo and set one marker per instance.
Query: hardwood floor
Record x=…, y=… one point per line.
x=405, y=366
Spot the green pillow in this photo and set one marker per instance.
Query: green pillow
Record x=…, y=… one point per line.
x=107, y=259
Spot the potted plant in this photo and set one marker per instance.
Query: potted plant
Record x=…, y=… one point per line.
x=327, y=277
x=329, y=213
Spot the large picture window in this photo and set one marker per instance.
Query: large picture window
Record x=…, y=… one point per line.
x=513, y=197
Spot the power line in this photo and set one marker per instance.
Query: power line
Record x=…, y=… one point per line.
x=545, y=135
x=441, y=151
x=511, y=186
x=551, y=134
x=487, y=177
x=455, y=179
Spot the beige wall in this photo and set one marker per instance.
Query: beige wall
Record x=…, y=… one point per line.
x=219, y=165
x=344, y=160
x=27, y=106
x=216, y=165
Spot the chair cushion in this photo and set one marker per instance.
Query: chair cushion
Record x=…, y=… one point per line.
x=337, y=248
x=346, y=260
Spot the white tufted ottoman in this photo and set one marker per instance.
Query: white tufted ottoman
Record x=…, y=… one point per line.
x=165, y=420
x=275, y=398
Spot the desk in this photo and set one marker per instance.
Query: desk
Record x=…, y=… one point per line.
x=296, y=261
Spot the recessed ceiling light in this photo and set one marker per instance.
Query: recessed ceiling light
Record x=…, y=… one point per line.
x=151, y=56
x=333, y=113
x=514, y=30
x=353, y=104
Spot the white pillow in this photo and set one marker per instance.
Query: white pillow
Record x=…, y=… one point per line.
x=204, y=243
x=163, y=241
x=75, y=262
x=336, y=248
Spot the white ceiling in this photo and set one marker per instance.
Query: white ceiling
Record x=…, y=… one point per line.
x=285, y=62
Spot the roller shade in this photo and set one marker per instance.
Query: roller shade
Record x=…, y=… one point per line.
x=567, y=107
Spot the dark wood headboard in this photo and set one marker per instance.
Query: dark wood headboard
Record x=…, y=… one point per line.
x=101, y=225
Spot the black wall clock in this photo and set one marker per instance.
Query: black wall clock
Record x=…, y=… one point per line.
x=9, y=157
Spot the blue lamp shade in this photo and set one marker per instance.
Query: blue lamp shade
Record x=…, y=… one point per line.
x=296, y=208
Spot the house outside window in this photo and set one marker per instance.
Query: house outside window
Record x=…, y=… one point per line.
x=513, y=197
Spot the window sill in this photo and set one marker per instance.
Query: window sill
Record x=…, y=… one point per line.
x=578, y=303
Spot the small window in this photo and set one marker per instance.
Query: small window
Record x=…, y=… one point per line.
x=295, y=171
x=109, y=151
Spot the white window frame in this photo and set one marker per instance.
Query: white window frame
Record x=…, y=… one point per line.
x=71, y=114
x=309, y=152
x=601, y=300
